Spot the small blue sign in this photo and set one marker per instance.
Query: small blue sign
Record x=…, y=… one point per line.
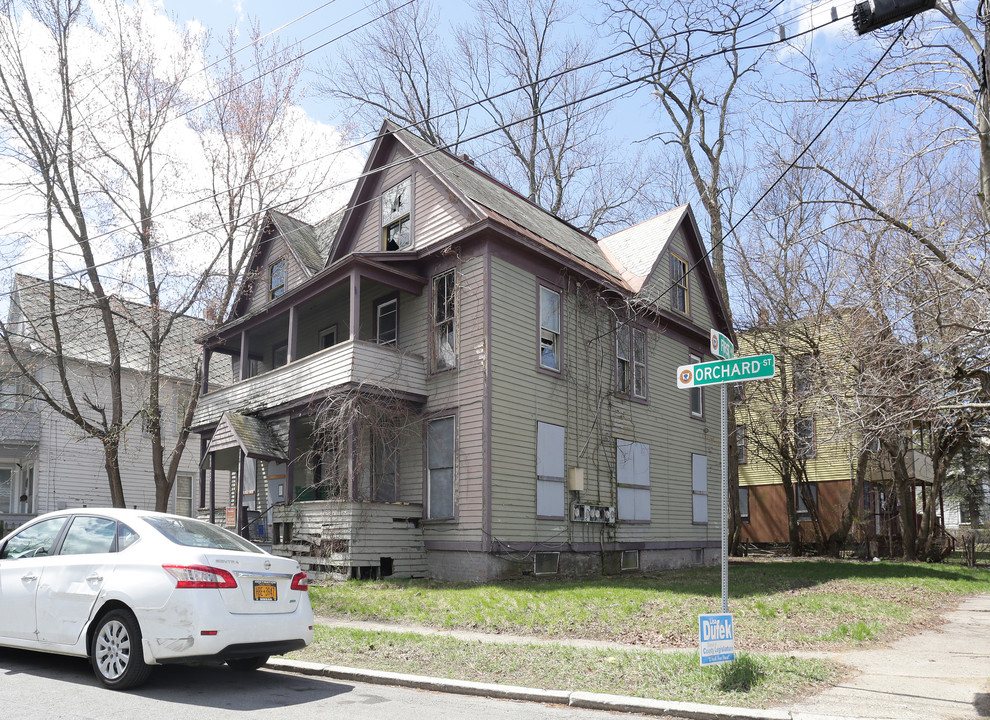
x=716, y=639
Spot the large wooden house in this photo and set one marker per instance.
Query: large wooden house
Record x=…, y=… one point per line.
x=446, y=380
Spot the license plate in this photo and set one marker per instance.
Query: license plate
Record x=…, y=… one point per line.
x=265, y=590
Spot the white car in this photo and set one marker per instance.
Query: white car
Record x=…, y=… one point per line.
x=130, y=589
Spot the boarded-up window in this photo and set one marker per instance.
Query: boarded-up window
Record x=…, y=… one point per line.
x=440, y=468
x=549, y=470
x=697, y=395
x=632, y=463
x=699, y=488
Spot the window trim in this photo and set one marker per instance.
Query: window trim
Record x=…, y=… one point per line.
x=696, y=392
x=696, y=493
x=628, y=368
x=427, y=509
x=742, y=449
x=376, y=315
x=277, y=291
x=558, y=483
x=192, y=506
x=557, y=371
x=435, y=357
x=683, y=284
x=744, y=517
x=330, y=330
x=812, y=453
x=804, y=515
x=387, y=223
x=631, y=485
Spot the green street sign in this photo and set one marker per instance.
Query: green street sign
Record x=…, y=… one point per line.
x=722, y=346
x=743, y=369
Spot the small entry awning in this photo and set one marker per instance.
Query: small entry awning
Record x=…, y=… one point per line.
x=236, y=434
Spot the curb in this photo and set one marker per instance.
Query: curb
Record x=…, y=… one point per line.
x=577, y=699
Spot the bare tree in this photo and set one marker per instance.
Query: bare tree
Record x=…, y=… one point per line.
x=98, y=147
x=514, y=94
x=700, y=75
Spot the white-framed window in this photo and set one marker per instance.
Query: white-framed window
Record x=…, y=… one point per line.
x=744, y=504
x=699, y=488
x=396, y=219
x=276, y=278
x=549, y=328
x=742, y=454
x=440, y=468
x=6, y=489
x=183, y=396
x=630, y=360
x=387, y=321
x=632, y=476
x=10, y=390
x=550, y=472
x=328, y=337
x=697, y=395
x=444, y=321
x=811, y=489
x=680, y=296
x=184, y=495
x=804, y=437
x=629, y=560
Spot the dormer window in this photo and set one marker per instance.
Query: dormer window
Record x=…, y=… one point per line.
x=276, y=279
x=396, y=227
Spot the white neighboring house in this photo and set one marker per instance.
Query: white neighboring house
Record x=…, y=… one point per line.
x=46, y=461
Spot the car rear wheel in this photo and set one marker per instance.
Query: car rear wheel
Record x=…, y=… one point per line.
x=116, y=653
x=247, y=664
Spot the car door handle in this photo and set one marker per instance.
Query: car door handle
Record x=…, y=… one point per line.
x=94, y=578
x=29, y=578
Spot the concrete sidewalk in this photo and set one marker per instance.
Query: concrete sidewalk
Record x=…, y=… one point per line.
x=935, y=675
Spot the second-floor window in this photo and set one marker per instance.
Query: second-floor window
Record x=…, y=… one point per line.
x=396, y=227
x=803, y=370
x=804, y=437
x=679, y=290
x=387, y=322
x=444, y=322
x=630, y=360
x=742, y=456
x=697, y=395
x=276, y=279
x=549, y=329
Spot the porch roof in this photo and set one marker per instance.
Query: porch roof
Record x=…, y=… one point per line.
x=253, y=436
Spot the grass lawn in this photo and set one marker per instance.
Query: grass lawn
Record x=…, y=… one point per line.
x=753, y=680
x=778, y=606
x=781, y=606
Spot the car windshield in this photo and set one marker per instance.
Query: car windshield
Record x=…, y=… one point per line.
x=193, y=533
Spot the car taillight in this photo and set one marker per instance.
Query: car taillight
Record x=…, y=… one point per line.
x=300, y=582
x=200, y=576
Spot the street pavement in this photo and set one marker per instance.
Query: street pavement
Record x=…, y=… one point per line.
x=941, y=674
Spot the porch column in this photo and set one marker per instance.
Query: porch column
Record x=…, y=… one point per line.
x=202, y=473
x=290, y=465
x=205, y=385
x=353, y=463
x=239, y=527
x=245, y=364
x=293, y=332
x=355, y=318
x=213, y=488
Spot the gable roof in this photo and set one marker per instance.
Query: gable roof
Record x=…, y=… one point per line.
x=636, y=249
x=253, y=436
x=81, y=331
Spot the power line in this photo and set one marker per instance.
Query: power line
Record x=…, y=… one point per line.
x=480, y=134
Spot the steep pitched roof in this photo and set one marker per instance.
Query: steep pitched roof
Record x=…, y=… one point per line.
x=495, y=197
x=636, y=249
x=81, y=329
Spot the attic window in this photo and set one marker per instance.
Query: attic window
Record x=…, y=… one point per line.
x=276, y=279
x=396, y=227
x=679, y=293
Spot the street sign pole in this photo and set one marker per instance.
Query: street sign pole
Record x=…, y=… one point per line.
x=725, y=498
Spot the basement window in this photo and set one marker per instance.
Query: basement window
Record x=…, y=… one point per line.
x=546, y=563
